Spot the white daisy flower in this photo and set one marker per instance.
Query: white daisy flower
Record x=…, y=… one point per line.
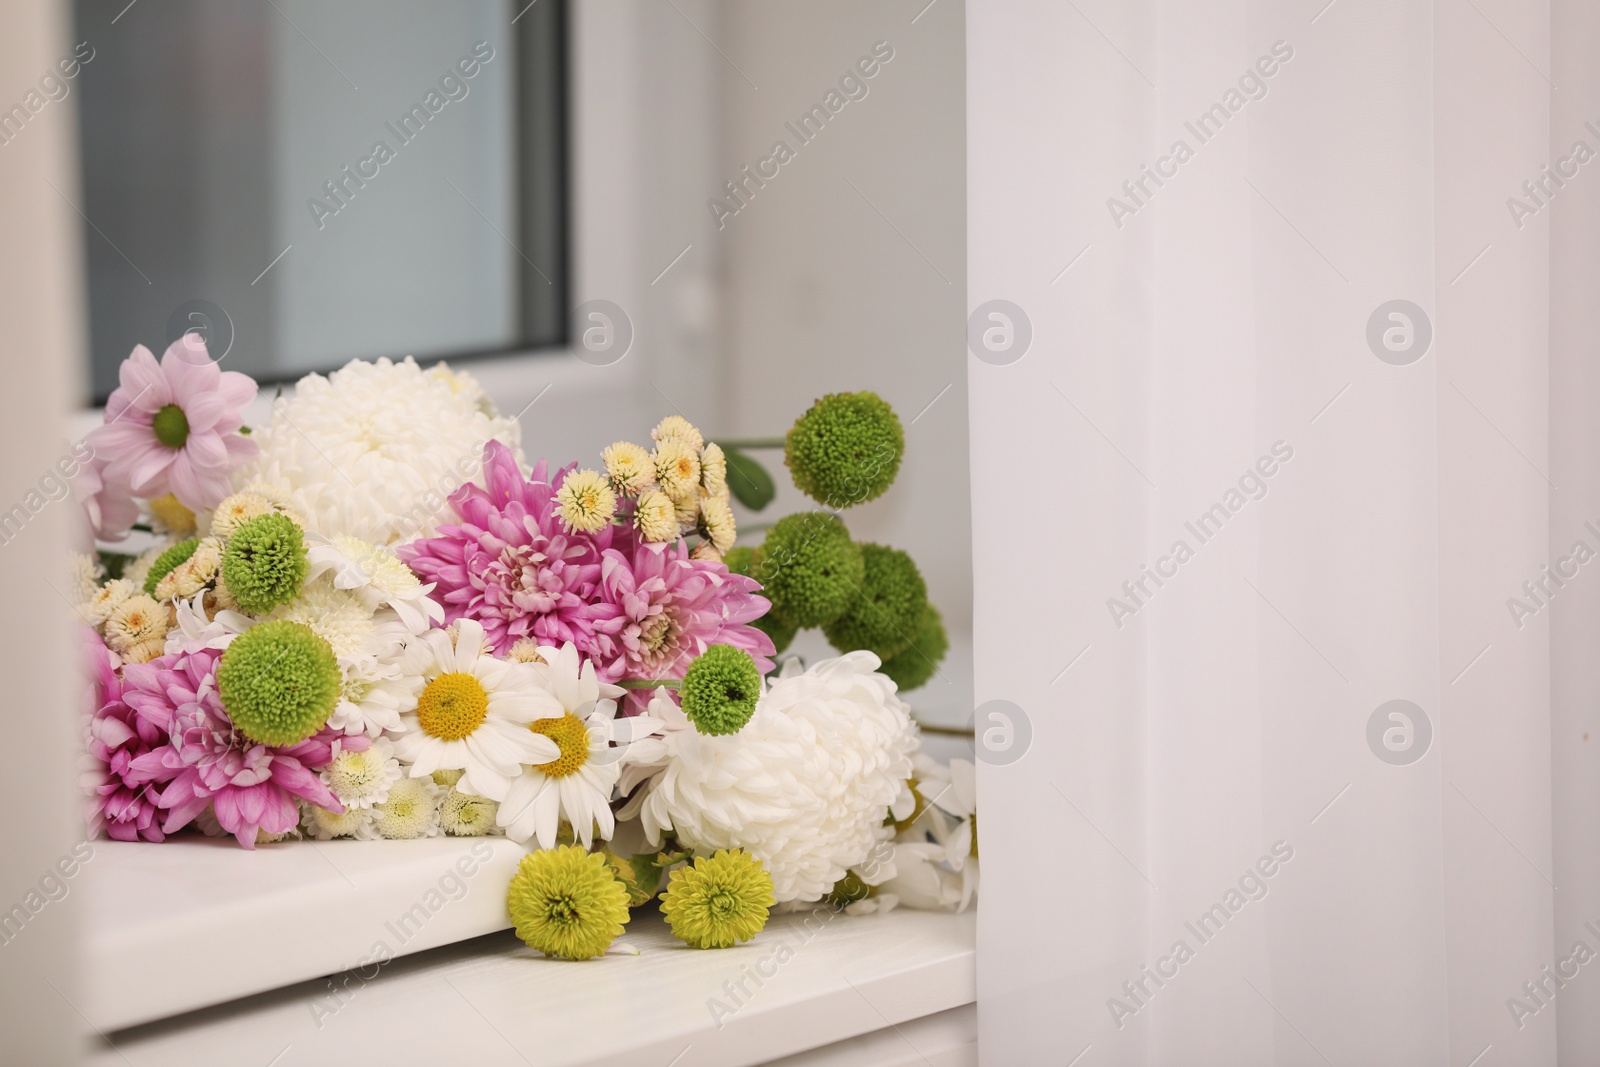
x=362, y=779
x=411, y=811
x=575, y=785
x=472, y=712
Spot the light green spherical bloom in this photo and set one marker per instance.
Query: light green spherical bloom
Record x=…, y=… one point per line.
x=720, y=901
x=846, y=891
x=167, y=562
x=720, y=690
x=884, y=617
x=846, y=450
x=809, y=568
x=740, y=559
x=265, y=564
x=278, y=682
x=917, y=664
x=566, y=903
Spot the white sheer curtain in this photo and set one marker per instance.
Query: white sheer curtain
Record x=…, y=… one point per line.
x=1336, y=349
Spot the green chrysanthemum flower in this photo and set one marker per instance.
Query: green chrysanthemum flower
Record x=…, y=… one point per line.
x=720, y=690
x=565, y=902
x=167, y=562
x=883, y=619
x=744, y=560
x=846, y=450
x=917, y=664
x=278, y=682
x=848, y=890
x=809, y=568
x=720, y=901
x=265, y=563
x=740, y=559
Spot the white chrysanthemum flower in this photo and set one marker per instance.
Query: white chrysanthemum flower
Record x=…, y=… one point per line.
x=195, y=630
x=467, y=814
x=629, y=468
x=325, y=825
x=373, y=450
x=412, y=810
x=371, y=697
x=136, y=571
x=677, y=467
x=464, y=386
x=679, y=427
x=84, y=575
x=362, y=779
x=649, y=755
x=716, y=521
x=576, y=784
x=235, y=511
x=804, y=786
x=472, y=711
x=108, y=598
x=378, y=576
x=713, y=469
x=585, y=502
x=137, y=621
x=338, y=617
x=655, y=516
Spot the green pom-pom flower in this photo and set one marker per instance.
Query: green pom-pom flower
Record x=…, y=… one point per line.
x=917, y=664
x=883, y=619
x=167, y=562
x=745, y=561
x=720, y=901
x=846, y=891
x=279, y=682
x=566, y=902
x=265, y=564
x=720, y=690
x=740, y=559
x=776, y=627
x=809, y=568
x=846, y=450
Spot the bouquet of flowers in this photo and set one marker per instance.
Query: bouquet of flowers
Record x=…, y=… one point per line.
x=372, y=618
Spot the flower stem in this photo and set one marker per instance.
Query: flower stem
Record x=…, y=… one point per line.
x=751, y=442
x=651, y=683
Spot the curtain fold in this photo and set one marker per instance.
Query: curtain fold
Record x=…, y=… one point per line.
x=1304, y=428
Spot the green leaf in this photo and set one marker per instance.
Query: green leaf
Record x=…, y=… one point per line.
x=115, y=563
x=748, y=480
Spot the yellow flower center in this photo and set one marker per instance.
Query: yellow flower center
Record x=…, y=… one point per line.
x=571, y=737
x=452, y=706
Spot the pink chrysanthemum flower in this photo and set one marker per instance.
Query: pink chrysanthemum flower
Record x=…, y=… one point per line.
x=510, y=563
x=659, y=609
x=174, y=427
x=122, y=804
x=252, y=787
x=109, y=503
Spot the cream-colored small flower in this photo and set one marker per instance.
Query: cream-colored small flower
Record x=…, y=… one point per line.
x=137, y=620
x=467, y=814
x=677, y=467
x=629, y=468
x=687, y=512
x=194, y=573
x=325, y=825
x=713, y=469
x=171, y=515
x=524, y=650
x=707, y=551
x=108, y=598
x=679, y=427
x=84, y=576
x=655, y=517
x=716, y=522
x=236, y=510
x=585, y=502
x=135, y=572
x=145, y=651
x=221, y=597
